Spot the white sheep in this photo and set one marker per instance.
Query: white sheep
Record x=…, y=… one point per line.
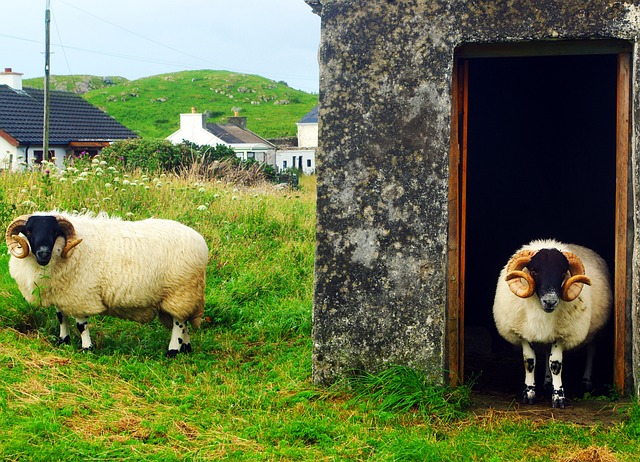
x=86, y=265
x=557, y=294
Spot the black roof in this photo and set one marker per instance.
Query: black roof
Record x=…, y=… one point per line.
x=310, y=117
x=71, y=118
x=233, y=134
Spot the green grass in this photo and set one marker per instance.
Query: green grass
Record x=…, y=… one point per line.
x=151, y=106
x=245, y=392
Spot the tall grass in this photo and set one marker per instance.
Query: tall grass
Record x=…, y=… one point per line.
x=245, y=391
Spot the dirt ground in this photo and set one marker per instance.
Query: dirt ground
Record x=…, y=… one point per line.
x=497, y=389
x=578, y=411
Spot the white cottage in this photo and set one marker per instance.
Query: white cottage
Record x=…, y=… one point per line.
x=246, y=144
x=303, y=158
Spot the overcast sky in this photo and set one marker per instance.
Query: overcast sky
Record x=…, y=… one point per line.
x=277, y=39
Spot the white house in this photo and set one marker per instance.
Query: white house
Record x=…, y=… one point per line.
x=246, y=144
x=303, y=158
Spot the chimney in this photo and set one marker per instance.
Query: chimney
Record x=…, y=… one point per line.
x=192, y=120
x=10, y=78
x=239, y=121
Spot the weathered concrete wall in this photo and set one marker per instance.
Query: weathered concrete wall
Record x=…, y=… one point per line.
x=385, y=86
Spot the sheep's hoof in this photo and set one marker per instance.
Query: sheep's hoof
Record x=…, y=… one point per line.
x=529, y=395
x=89, y=349
x=586, y=385
x=558, y=400
x=172, y=353
x=64, y=340
x=185, y=348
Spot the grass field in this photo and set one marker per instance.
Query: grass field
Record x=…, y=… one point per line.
x=245, y=392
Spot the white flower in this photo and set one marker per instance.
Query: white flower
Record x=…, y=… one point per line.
x=108, y=185
x=201, y=190
x=202, y=207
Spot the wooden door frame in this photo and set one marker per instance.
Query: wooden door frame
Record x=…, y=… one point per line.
x=454, y=349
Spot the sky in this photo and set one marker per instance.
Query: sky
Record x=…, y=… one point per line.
x=276, y=39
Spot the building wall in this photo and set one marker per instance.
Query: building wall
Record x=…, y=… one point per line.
x=307, y=135
x=385, y=107
x=7, y=154
x=303, y=159
x=13, y=158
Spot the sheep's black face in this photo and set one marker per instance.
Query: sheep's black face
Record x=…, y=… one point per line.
x=549, y=267
x=42, y=232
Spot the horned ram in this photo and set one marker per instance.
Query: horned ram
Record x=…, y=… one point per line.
x=88, y=265
x=556, y=294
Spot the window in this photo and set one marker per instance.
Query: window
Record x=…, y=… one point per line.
x=284, y=164
x=37, y=155
x=308, y=162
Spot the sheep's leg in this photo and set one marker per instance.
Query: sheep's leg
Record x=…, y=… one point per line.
x=555, y=365
x=83, y=327
x=64, y=336
x=180, y=339
x=529, y=356
x=587, y=384
x=548, y=385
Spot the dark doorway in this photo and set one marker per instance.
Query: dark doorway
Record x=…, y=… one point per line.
x=540, y=163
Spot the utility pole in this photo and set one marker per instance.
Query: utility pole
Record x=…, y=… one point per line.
x=47, y=52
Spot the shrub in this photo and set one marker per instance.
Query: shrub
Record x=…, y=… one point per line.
x=205, y=153
x=151, y=156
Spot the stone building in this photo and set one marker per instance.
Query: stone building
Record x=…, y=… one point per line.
x=452, y=132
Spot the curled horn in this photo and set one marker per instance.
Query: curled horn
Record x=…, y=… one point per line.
x=520, y=283
x=572, y=287
x=18, y=246
x=69, y=233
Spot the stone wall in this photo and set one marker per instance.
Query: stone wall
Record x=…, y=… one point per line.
x=385, y=102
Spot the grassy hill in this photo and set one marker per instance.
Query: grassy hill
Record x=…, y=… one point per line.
x=151, y=106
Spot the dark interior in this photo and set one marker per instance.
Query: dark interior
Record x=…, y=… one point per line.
x=541, y=164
